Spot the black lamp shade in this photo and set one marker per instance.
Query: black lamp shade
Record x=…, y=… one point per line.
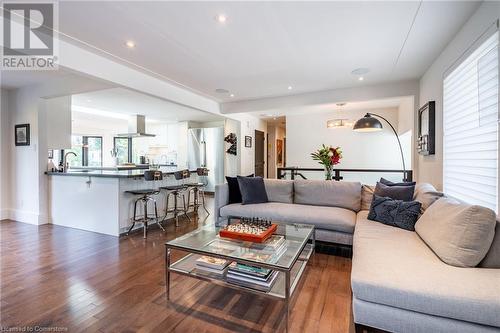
x=367, y=124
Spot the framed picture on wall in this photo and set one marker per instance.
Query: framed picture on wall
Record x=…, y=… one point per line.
x=279, y=152
x=248, y=141
x=22, y=134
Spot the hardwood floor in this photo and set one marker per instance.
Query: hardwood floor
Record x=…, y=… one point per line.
x=81, y=281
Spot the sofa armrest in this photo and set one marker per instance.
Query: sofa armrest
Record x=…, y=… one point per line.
x=221, y=199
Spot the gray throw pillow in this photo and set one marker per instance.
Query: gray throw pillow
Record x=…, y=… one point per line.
x=253, y=190
x=395, y=192
x=459, y=234
x=396, y=213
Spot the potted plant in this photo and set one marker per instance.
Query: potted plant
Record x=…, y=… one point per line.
x=327, y=156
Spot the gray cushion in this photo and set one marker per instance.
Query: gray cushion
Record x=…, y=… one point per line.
x=459, y=233
x=426, y=194
x=492, y=258
x=328, y=193
x=279, y=190
x=367, y=196
x=392, y=266
x=330, y=218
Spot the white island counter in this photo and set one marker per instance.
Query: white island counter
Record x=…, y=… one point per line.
x=95, y=200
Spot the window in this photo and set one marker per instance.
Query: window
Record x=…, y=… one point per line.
x=123, y=149
x=77, y=148
x=470, y=126
x=88, y=150
x=92, y=151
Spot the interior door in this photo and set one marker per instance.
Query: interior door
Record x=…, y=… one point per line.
x=259, y=153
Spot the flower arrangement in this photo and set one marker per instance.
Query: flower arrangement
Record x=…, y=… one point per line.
x=327, y=156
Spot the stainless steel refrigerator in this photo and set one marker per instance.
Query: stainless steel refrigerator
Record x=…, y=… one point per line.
x=206, y=149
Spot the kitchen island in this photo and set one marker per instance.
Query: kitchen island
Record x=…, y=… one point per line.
x=95, y=200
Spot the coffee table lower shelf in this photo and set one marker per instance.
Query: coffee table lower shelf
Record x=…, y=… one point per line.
x=187, y=266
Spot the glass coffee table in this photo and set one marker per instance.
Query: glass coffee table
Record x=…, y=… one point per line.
x=300, y=240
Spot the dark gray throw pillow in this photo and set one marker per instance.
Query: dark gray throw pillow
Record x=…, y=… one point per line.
x=396, y=213
x=395, y=192
x=234, y=189
x=389, y=183
x=253, y=190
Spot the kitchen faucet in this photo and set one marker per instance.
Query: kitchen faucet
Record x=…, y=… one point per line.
x=65, y=162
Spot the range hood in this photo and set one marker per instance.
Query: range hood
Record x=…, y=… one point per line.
x=136, y=128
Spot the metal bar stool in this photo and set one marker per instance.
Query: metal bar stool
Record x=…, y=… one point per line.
x=177, y=192
x=145, y=196
x=198, y=190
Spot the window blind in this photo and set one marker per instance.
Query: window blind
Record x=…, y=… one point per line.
x=470, y=127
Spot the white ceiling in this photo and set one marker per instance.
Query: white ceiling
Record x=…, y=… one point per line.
x=264, y=47
x=121, y=103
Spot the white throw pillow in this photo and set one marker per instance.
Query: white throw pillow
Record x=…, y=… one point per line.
x=459, y=234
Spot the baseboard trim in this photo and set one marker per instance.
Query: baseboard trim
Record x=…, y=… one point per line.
x=24, y=216
x=4, y=214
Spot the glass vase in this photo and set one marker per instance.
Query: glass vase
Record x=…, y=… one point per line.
x=328, y=172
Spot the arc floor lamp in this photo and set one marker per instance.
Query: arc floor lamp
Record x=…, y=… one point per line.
x=371, y=124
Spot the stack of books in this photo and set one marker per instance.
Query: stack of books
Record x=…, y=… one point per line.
x=252, y=277
x=211, y=265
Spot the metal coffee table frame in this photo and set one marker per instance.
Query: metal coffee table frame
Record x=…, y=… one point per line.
x=289, y=280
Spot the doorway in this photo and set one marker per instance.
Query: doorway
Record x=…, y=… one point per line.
x=259, y=153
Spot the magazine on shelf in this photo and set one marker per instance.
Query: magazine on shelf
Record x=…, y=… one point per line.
x=211, y=262
x=252, y=283
x=207, y=270
x=251, y=271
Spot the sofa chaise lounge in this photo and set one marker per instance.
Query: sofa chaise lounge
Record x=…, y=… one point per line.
x=398, y=283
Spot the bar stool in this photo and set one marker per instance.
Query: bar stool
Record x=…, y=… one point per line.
x=198, y=190
x=177, y=192
x=146, y=196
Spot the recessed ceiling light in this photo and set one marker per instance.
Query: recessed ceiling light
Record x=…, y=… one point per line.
x=130, y=44
x=290, y=88
x=361, y=78
x=232, y=95
x=221, y=18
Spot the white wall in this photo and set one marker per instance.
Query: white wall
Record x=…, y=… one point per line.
x=430, y=168
x=377, y=150
x=57, y=114
x=249, y=124
x=27, y=189
x=6, y=141
x=232, y=163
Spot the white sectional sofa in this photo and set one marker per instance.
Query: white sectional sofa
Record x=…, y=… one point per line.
x=398, y=283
